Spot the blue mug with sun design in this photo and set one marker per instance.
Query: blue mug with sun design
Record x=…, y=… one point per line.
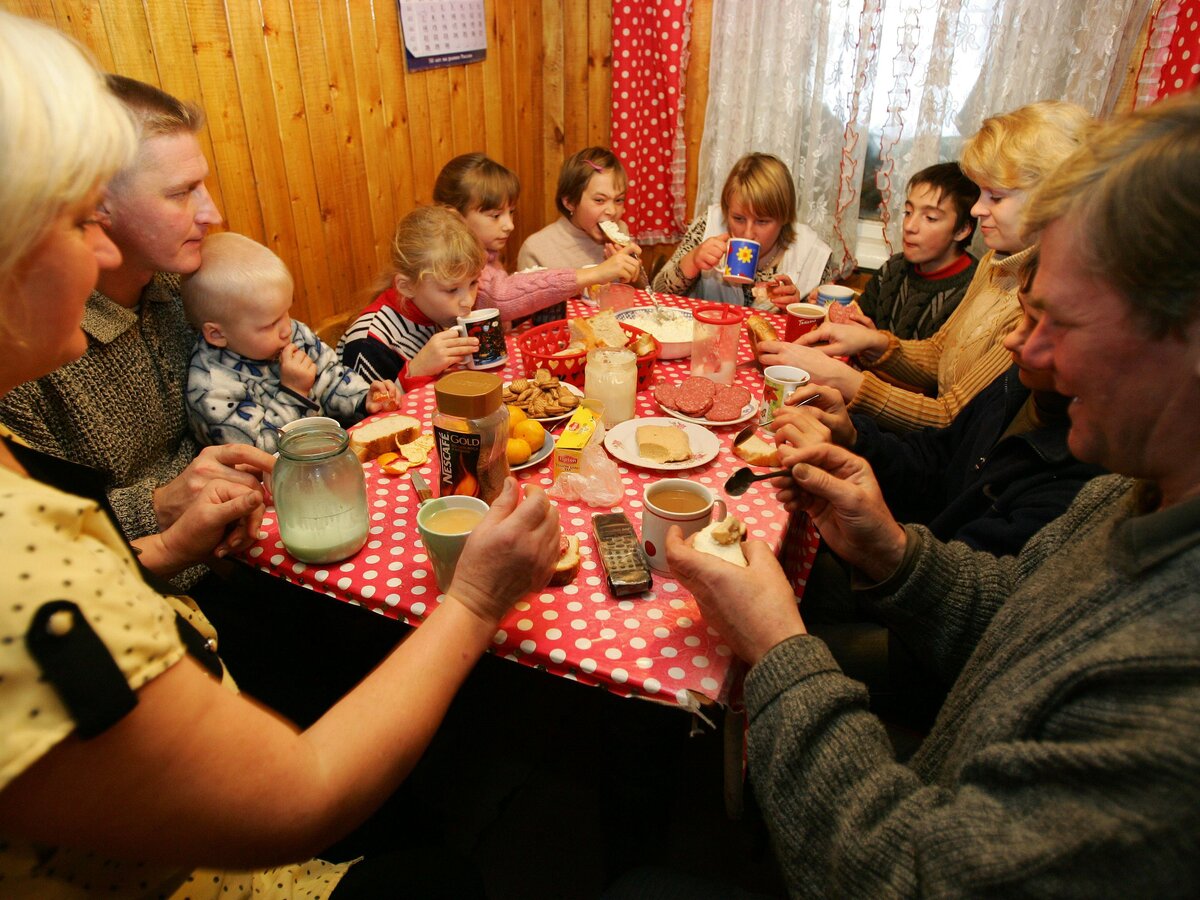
x=741, y=261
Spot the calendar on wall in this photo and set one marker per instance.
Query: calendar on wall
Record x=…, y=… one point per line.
x=443, y=32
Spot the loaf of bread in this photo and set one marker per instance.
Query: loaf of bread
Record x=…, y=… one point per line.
x=569, y=560
x=723, y=539
x=383, y=436
x=758, y=452
x=663, y=443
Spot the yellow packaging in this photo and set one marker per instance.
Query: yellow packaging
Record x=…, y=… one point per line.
x=568, y=449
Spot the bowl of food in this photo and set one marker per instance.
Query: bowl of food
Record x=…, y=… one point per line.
x=672, y=328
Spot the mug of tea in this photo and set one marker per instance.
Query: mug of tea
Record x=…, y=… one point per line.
x=485, y=326
x=741, y=261
x=674, y=501
x=444, y=524
x=801, y=319
x=779, y=382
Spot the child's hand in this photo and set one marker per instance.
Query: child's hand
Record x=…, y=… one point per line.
x=296, y=371
x=384, y=396
x=624, y=265
x=709, y=254
x=781, y=291
x=445, y=349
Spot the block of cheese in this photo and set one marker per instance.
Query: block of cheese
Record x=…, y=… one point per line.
x=662, y=443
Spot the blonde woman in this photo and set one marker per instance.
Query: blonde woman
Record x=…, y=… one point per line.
x=907, y=385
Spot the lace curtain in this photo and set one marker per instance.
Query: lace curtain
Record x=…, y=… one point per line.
x=817, y=82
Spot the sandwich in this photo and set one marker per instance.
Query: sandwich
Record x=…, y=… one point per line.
x=613, y=232
x=383, y=436
x=569, y=560
x=724, y=540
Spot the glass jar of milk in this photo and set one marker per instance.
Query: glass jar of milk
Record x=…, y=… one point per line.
x=319, y=491
x=611, y=378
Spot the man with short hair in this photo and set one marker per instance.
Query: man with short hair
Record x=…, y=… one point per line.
x=119, y=411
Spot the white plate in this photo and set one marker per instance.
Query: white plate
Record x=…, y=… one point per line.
x=544, y=451
x=544, y=419
x=621, y=442
x=749, y=411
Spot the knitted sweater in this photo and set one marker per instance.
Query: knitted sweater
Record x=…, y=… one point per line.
x=119, y=409
x=1066, y=760
x=236, y=400
x=964, y=357
x=899, y=299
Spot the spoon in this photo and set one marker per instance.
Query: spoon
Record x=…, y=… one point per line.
x=739, y=482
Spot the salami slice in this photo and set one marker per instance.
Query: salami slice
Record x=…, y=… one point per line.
x=666, y=394
x=728, y=403
x=694, y=396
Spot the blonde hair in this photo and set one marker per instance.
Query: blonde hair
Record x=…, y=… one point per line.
x=577, y=171
x=1133, y=194
x=233, y=269
x=1014, y=151
x=62, y=134
x=473, y=182
x=435, y=242
x=763, y=183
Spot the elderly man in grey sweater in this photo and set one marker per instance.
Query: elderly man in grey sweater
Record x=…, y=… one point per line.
x=1066, y=760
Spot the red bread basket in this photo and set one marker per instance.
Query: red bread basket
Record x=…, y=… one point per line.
x=538, y=346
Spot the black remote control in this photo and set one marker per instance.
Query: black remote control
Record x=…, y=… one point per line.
x=624, y=562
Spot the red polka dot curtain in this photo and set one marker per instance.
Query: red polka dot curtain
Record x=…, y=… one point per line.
x=650, y=52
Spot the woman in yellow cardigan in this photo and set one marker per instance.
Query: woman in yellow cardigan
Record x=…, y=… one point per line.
x=907, y=385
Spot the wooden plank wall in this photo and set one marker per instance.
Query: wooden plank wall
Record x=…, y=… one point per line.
x=318, y=138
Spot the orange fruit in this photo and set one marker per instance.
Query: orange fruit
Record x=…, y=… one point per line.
x=518, y=452
x=530, y=432
x=516, y=416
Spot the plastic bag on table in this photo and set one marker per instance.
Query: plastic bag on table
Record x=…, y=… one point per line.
x=597, y=483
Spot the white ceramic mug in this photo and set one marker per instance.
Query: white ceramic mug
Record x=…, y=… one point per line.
x=486, y=327
x=656, y=520
x=444, y=548
x=779, y=382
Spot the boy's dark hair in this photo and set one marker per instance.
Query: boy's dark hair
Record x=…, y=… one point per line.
x=948, y=180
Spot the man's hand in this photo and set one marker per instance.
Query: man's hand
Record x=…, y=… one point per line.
x=753, y=608
x=510, y=553
x=821, y=368
x=839, y=492
x=384, y=396
x=823, y=420
x=236, y=463
x=296, y=371
x=222, y=518
x=445, y=349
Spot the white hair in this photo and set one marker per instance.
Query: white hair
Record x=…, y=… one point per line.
x=62, y=134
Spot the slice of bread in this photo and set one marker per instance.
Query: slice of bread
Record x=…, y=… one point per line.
x=383, y=435
x=723, y=539
x=601, y=330
x=568, y=563
x=662, y=443
x=758, y=452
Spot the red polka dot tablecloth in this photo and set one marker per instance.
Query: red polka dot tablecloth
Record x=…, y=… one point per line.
x=655, y=645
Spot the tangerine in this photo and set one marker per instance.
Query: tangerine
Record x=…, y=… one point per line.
x=518, y=451
x=531, y=432
x=516, y=416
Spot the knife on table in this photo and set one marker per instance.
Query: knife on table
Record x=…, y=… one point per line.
x=419, y=485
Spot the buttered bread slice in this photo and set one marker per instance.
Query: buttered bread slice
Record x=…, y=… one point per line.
x=662, y=443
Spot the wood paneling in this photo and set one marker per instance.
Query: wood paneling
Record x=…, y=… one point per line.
x=319, y=139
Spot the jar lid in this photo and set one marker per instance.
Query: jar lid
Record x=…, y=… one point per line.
x=467, y=394
x=717, y=314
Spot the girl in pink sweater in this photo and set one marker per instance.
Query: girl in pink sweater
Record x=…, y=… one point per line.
x=485, y=193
